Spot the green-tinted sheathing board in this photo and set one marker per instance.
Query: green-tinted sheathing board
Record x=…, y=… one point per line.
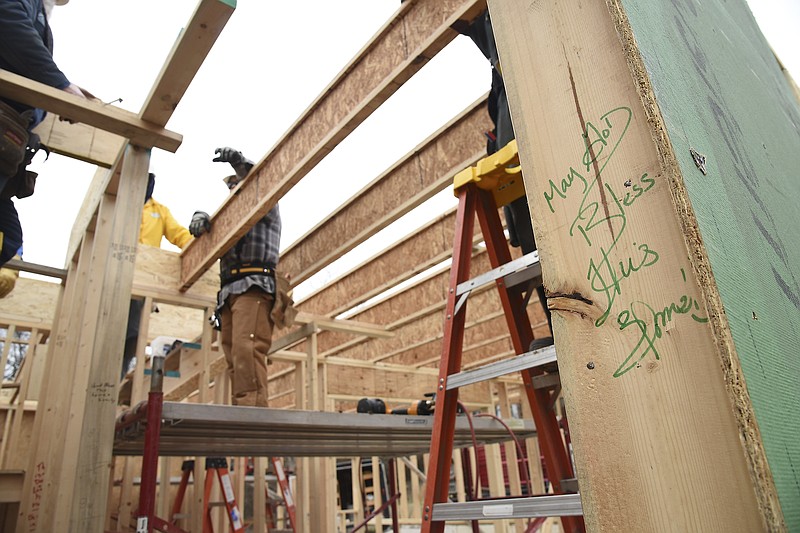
x=722, y=94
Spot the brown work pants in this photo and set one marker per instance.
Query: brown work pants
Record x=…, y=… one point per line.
x=246, y=337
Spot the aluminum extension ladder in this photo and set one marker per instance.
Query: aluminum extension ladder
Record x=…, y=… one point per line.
x=495, y=181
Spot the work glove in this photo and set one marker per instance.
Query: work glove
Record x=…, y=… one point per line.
x=200, y=223
x=8, y=278
x=228, y=155
x=240, y=163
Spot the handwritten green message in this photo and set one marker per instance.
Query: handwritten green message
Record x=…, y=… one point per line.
x=603, y=211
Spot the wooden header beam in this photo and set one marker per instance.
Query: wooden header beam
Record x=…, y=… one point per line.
x=384, y=64
x=105, y=117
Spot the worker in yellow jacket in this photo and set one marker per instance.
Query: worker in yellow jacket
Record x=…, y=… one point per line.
x=157, y=223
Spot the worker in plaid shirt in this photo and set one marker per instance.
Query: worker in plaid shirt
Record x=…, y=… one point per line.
x=247, y=293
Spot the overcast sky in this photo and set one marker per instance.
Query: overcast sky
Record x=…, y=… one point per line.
x=271, y=61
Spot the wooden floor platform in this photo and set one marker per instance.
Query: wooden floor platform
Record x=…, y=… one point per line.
x=211, y=430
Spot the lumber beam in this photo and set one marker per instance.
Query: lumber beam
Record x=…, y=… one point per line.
x=703, y=128
x=87, y=215
x=35, y=268
x=404, y=45
x=423, y=172
x=352, y=327
x=94, y=113
x=79, y=141
x=187, y=55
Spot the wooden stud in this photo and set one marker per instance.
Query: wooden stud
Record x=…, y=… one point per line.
x=49, y=425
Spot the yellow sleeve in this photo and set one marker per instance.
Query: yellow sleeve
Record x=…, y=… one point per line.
x=174, y=232
x=8, y=279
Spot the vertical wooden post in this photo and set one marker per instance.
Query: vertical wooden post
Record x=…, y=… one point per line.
x=642, y=335
x=355, y=490
x=259, y=494
x=512, y=467
x=69, y=494
x=51, y=414
x=164, y=488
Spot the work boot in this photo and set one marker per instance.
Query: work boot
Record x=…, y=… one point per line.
x=544, y=342
x=538, y=344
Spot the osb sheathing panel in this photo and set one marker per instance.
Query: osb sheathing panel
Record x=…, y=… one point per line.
x=431, y=292
x=428, y=296
x=411, y=256
x=380, y=383
x=160, y=270
x=430, y=326
x=381, y=68
x=32, y=300
x=421, y=174
x=731, y=103
x=428, y=352
x=184, y=323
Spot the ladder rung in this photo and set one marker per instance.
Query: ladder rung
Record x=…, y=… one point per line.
x=516, y=271
x=531, y=507
x=523, y=361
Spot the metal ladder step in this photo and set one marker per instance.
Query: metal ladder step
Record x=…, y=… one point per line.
x=531, y=507
x=523, y=361
x=517, y=271
x=513, y=273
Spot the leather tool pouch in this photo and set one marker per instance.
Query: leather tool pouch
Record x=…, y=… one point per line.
x=13, y=139
x=283, y=311
x=17, y=148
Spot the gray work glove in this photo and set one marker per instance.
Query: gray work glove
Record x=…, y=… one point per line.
x=200, y=223
x=228, y=155
x=241, y=165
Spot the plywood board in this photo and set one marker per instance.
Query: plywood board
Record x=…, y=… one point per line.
x=721, y=92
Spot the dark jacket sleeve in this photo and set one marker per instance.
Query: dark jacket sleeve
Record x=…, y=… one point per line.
x=24, y=46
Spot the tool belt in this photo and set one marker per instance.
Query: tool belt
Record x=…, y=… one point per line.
x=283, y=310
x=18, y=145
x=247, y=269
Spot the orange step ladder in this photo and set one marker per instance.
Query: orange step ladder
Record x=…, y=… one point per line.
x=286, y=492
x=493, y=182
x=215, y=467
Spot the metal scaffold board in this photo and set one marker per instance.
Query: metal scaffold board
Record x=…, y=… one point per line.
x=209, y=430
x=532, y=507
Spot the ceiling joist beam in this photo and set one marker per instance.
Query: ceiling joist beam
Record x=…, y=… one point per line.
x=94, y=113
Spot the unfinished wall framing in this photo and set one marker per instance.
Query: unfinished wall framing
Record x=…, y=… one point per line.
x=666, y=442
